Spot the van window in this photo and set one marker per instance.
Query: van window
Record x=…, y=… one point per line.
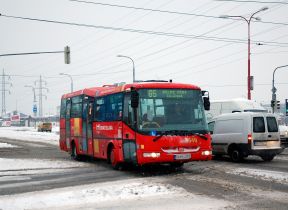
x=228, y=126
x=211, y=126
x=272, y=124
x=258, y=125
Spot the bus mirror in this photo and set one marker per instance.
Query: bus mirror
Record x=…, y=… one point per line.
x=206, y=100
x=134, y=98
x=206, y=103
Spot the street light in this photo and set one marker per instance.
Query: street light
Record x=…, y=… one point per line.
x=64, y=74
x=274, y=89
x=33, y=89
x=124, y=56
x=248, y=22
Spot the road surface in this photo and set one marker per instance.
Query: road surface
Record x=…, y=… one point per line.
x=252, y=184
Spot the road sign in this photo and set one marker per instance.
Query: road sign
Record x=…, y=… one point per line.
x=34, y=109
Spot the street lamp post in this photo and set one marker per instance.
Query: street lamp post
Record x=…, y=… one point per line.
x=248, y=22
x=34, y=103
x=124, y=56
x=70, y=79
x=273, y=87
x=33, y=89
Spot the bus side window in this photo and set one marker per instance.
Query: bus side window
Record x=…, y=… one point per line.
x=127, y=115
x=63, y=108
x=100, y=110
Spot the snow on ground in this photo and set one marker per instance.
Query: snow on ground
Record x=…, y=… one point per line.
x=275, y=176
x=12, y=167
x=30, y=134
x=127, y=194
x=5, y=145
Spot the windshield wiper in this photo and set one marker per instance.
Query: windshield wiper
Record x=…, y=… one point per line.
x=185, y=132
x=180, y=133
x=160, y=136
x=200, y=135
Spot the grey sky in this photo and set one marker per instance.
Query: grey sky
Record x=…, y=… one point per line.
x=220, y=67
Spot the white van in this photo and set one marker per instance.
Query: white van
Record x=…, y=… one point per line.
x=218, y=107
x=246, y=133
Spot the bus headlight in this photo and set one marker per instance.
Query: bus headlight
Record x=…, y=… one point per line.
x=151, y=154
x=207, y=152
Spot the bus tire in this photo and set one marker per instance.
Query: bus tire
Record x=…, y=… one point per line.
x=115, y=165
x=74, y=154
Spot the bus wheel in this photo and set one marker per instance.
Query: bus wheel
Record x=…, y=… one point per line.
x=74, y=154
x=115, y=165
x=236, y=155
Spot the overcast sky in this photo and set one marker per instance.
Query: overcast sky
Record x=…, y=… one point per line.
x=214, y=65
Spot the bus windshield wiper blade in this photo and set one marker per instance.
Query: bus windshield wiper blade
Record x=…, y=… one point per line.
x=158, y=137
x=200, y=135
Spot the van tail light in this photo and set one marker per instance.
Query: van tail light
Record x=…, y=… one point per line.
x=250, y=138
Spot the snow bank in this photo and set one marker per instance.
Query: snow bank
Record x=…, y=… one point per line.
x=30, y=134
x=5, y=145
x=12, y=167
x=275, y=176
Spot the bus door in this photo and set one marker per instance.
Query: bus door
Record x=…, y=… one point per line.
x=87, y=125
x=129, y=134
x=68, y=123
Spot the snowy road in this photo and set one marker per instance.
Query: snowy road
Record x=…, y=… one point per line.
x=35, y=174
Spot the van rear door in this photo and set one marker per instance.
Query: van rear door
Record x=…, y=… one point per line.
x=265, y=132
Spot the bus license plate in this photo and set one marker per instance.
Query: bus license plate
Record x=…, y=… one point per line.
x=182, y=156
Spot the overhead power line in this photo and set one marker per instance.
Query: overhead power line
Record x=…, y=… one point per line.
x=145, y=9
x=261, y=2
x=159, y=33
x=174, y=12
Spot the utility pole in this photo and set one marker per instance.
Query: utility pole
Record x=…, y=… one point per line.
x=41, y=86
x=4, y=90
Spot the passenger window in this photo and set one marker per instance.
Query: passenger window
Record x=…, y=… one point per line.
x=272, y=124
x=76, y=107
x=100, y=110
x=63, y=108
x=109, y=108
x=258, y=125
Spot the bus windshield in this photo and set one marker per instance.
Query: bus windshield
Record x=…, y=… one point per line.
x=171, y=111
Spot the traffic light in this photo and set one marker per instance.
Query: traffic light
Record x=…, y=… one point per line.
x=278, y=105
x=272, y=103
x=286, y=107
x=67, y=55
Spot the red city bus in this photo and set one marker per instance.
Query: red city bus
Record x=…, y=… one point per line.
x=140, y=123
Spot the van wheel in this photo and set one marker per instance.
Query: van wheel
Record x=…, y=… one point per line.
x=236, y=155
x=267, y=157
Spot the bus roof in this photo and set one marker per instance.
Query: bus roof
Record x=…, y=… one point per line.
x=110, y=89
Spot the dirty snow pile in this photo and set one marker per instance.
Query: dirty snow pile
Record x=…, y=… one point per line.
x=275, y=176
x=5, y=145
x=12, y=167
x=30, y=134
